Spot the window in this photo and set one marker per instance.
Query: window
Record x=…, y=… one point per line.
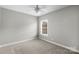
x=44, y=25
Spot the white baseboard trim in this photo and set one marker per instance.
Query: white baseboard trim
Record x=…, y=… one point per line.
x=69, y=48
x=13, y=43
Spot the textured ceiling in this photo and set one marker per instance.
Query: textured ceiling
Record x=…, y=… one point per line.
x=29, y=9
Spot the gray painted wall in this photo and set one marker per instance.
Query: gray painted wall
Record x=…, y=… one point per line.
x=63, y=26
x=15, y=26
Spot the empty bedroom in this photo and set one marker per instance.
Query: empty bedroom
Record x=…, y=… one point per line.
x=39, y=29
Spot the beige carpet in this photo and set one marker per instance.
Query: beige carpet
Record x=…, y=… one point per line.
x=35, y=46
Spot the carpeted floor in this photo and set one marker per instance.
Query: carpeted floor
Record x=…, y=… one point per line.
x=36, y=46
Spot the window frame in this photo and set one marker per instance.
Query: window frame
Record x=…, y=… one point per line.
x=41, y=27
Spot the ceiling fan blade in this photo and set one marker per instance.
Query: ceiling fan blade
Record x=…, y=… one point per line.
x=44, y=10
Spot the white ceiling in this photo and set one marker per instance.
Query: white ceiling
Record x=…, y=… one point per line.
x=29, y=9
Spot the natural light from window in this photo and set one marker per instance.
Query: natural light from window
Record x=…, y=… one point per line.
x=44, y=27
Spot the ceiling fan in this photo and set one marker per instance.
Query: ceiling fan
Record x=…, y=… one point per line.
x=37, y=8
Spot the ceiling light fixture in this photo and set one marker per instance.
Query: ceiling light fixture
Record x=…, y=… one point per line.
x=36, y=8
